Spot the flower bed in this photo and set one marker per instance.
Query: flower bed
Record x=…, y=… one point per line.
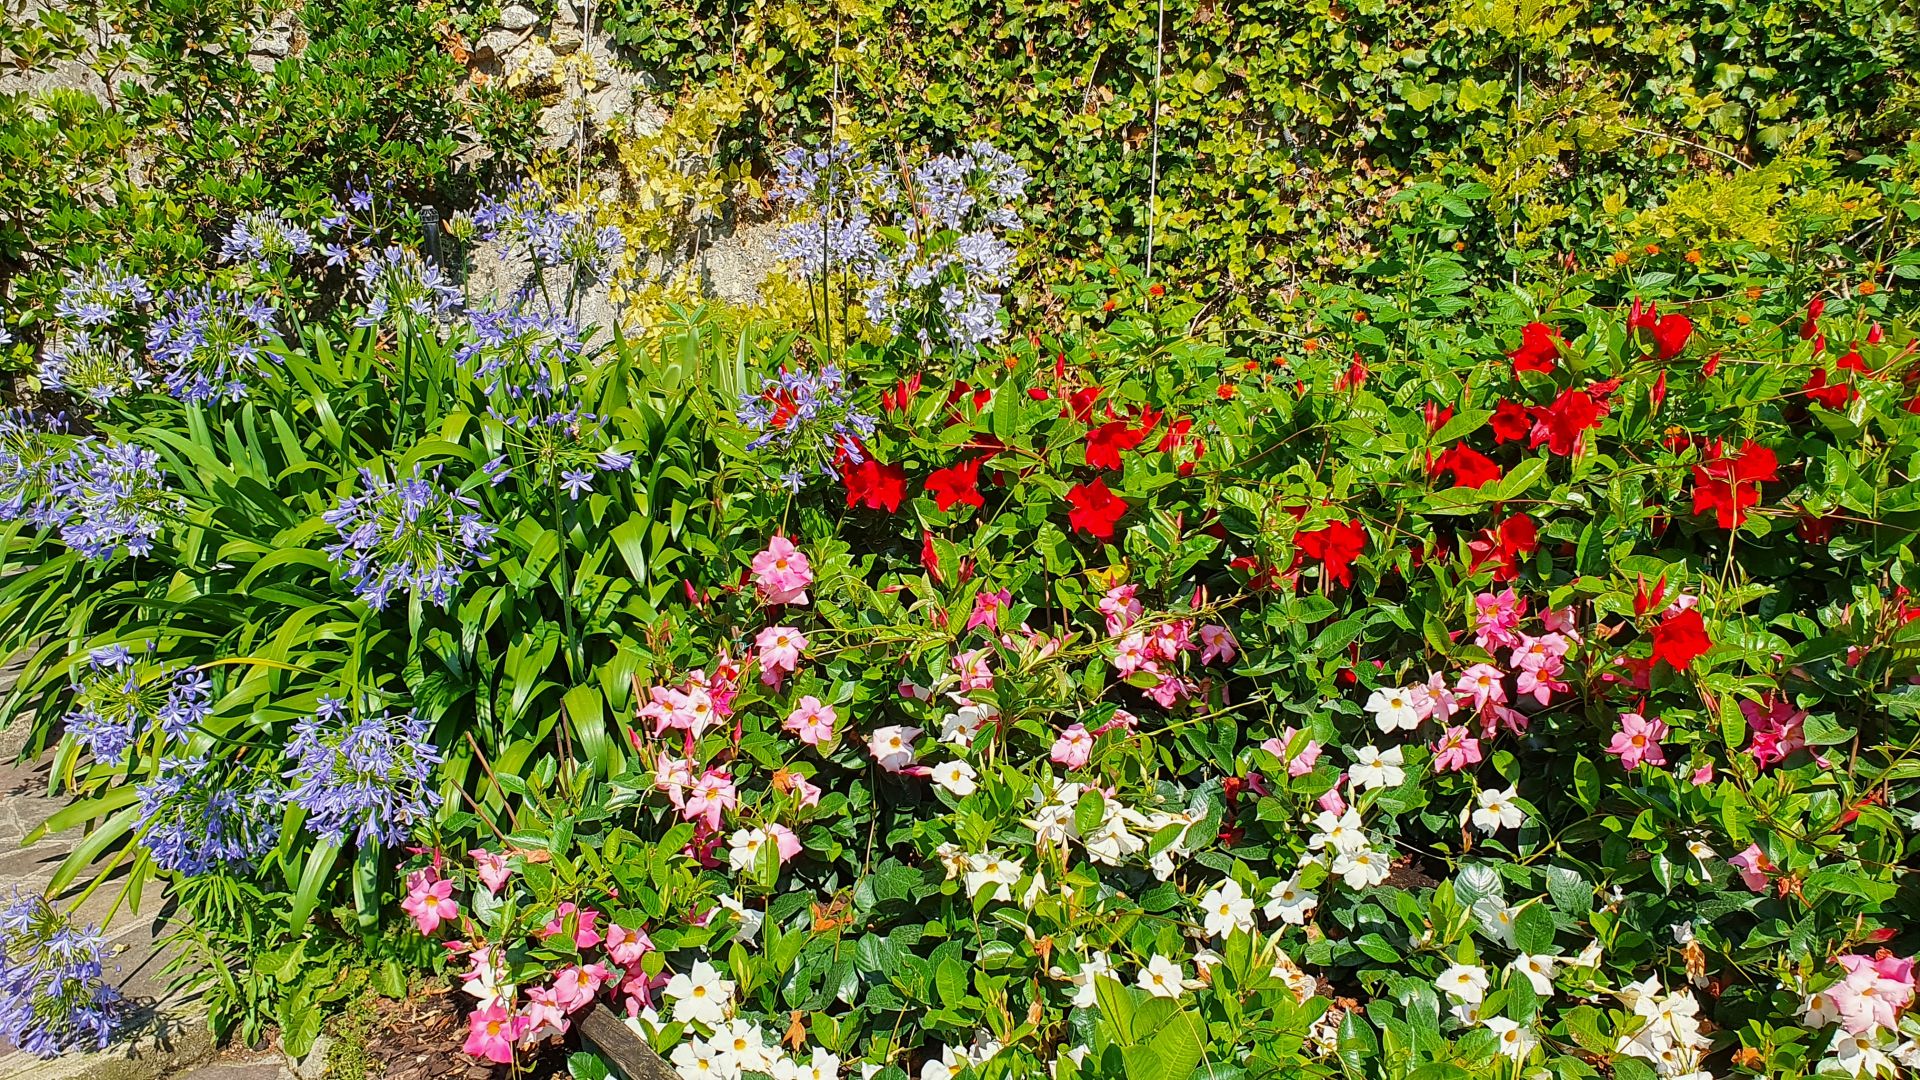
x=1486, y=684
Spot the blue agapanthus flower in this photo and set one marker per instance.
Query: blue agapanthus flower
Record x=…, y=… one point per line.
x=109, y=498
x=926, y=251
x=262, y=236
x=197, y=815
x=33, y=446
x=208, y=341
x=93, y=367
x=370, y=777
x=521, y=352
x=397, y=279
x=98, y=296
x=555, y=238
x=113, y=705
x=808, y=418
x=412, y=535
x=54, y=996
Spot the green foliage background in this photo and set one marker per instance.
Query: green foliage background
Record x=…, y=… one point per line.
x=1286, y=127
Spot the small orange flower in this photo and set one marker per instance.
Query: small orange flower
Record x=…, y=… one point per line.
x=1012, y=362
x=1311, y=345
x=1108, y=306
x=1868, y=288
x=1226, y=391
x=1753, y=292
x=1743, y=319
x=1694, y=256
x=1253, y=365
x=1620, y=258
x=1653, y=249
x=1360, y=316
x=1459, y=245
x=1156, y=290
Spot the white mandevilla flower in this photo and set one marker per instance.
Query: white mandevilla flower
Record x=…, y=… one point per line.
x=1290, y=903
x=1496, y=920
x=991, y=873
x=696, y=1058
x=1226, y=908
x=956, y=778
x=822, y=1066
x=1376, y=768
x=1113, y=841
x=1362, y=869
x=1498, y=810
x=1539, y=970
x=1864, y=1054
x=1161, y=977
x=1514, y=1041
x=1394, y=709
x=1085, y=993
x=742, y=1047
x=1818, y=1009
x=700, y=995
x=743, y=848
x=1464, y=982
x=1342, y=832
x=892, y=746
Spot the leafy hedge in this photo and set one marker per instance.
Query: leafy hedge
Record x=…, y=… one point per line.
x=1286, y=129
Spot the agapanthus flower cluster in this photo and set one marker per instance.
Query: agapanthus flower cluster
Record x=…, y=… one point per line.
x=98, y=296
x=397, y=279
x=412, y=535
x=33, y=447
x=113, y=705
x=93, y=367
x=54, y=995
x=208, y=340
x=929, y=254
x=567, y=447
x=556, y=238
x=810, y=420
x=520, y=351
x=198, y=814
x=371, y=776
x=262, y=236
x=110, y=497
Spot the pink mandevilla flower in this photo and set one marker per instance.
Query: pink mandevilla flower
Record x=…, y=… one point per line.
x=585, y=934
x=1120, y=608
x=1484, y=685
x=1777, y=727
x=492, y=868
x=709, y=797
x=812, y=721
x=1496, y=619
x=972, y=668
x=782, y=573
x=985, y=606
x=1874, y=991
x=429, y=900
x=492, y=1031
x=780, y=649
x=1298, y=764
x=1073, y=748
x=543, y=1016
x=1638, y=740
x=625, y=946
x=1220, y=644
x=1753, y=866
x=1456, y=750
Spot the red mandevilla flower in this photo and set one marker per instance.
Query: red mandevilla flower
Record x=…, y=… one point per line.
x=1832, y=395
x=875, y=484
x=1539, y=348
x=1511, y=422
x=1335, y=546
x=1506, y=546
x=1561, y=425
x=1095, y=510
x=1470, y=467
x=1680, y=637
x=1727, y=486
x=1670, y=335
x=957, y=483
x=1106, y=442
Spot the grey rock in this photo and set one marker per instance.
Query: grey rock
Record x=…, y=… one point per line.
x=515, y=17
x=737, y=265
x=274, y=41
x=494, y=44
x=314, y=1065
x=565, y=39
